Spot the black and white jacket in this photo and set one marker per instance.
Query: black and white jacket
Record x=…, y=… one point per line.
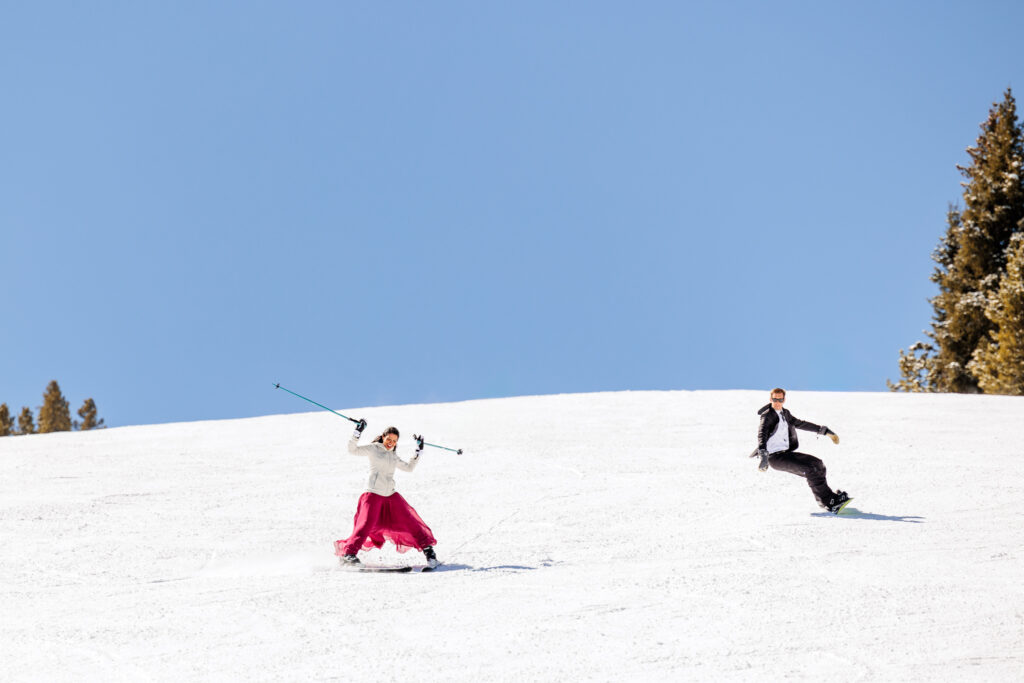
x=770, y=420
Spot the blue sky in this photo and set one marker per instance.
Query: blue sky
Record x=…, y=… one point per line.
x=389, y=203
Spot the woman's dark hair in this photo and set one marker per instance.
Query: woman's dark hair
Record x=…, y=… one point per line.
x=389, y=430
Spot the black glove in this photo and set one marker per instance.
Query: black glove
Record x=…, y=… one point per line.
x=419, y=441
x=763, y=454
x=360, y=426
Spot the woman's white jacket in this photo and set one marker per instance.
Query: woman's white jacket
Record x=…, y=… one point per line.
x=382, y=465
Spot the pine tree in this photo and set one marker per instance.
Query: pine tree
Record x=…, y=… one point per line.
x=916, y=370
x=999, y=365
x=88, y=414
x=25, y=422
x=55, y=415
x=6, y=421
x=972, y=258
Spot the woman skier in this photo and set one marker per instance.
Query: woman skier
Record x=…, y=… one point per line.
x=383, y=514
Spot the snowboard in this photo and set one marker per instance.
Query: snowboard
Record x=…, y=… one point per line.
x=843, y=506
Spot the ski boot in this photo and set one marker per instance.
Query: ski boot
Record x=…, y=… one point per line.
x=350, y=561
x=432, y=562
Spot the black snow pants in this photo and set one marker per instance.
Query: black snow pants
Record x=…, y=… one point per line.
x=807, y=466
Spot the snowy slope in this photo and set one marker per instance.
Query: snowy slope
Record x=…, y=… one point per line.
x=618, y=536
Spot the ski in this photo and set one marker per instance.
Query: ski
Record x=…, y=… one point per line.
x=392, y=569
x=403, y=569
x=379, y=569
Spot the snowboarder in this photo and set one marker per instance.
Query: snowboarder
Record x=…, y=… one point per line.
x=777, y=443
x=382, y=513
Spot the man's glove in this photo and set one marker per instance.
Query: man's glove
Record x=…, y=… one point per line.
x=360, y=426
x=763, y=454
x=829, y=433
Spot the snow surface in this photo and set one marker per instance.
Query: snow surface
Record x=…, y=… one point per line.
x=616, y=536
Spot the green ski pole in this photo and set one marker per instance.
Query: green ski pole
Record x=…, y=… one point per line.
x=445, y=448
x=457, y=451
x=278, y=386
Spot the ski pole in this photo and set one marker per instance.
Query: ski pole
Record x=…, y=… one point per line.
x=445, y=448
x=278, y=386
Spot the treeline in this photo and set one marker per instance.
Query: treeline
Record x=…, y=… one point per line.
x=54, y=416
x=977, y=335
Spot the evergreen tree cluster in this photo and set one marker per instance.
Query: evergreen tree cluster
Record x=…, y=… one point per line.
x=978, y=321
x=54, y=416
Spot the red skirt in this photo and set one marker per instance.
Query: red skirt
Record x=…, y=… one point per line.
x=380, y=518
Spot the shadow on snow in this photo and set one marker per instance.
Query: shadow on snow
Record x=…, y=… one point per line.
x=503, y=567
x=854, y=513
